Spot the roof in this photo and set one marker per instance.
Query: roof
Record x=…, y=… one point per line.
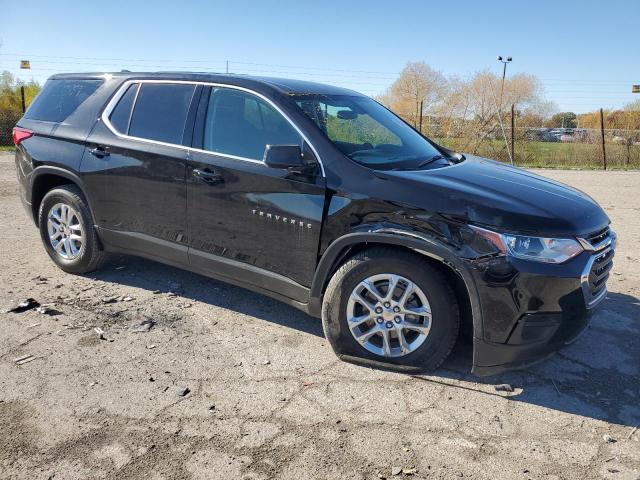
x=283, y=85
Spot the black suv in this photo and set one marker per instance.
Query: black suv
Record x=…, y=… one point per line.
x=322, y=198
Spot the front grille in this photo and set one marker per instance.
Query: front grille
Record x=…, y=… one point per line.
x=599, y=238
x=600, y=271
x=596, y=273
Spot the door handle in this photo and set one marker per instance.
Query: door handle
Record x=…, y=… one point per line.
x=99, y=151
x=207, y=176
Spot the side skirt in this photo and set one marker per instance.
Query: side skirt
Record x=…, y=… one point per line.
x=226, y=270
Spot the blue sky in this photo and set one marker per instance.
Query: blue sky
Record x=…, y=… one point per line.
x=586, y=53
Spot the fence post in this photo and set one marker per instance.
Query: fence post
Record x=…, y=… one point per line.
x=604, y=150
x=24, y=107
x=513, y=133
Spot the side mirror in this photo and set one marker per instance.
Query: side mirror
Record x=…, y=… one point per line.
x=284, y=156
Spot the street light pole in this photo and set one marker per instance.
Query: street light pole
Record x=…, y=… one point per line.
x=499, y=107
x=504, y=74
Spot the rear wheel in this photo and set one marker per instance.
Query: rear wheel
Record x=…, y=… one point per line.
x=66, y=228
x=390, y=307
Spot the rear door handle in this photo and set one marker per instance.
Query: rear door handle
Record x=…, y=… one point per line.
x=207, y=176
x=99, y=151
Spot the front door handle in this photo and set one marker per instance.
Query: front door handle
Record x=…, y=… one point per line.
x=207, y=176
x=99, y=151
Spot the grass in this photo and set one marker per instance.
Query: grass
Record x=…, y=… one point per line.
x=533, y=154
x=555, y=154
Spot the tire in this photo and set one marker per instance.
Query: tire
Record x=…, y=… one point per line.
x=78, y=256
x=376, y=263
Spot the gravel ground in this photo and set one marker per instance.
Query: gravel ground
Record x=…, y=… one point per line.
x=268, y=399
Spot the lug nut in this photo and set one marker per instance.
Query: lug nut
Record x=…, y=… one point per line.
x=387, y=304
x=379, y=320
x=396, y=309
x=378, y=309
x=397, y=319
x=389, y=324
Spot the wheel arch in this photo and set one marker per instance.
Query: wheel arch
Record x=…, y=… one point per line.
x=44, y=179
x=439, y=255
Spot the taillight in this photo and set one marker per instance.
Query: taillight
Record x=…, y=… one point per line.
x=20, y=134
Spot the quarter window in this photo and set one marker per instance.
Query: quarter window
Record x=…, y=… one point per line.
x=161, y=111
x=241, y=124
x=122, y=113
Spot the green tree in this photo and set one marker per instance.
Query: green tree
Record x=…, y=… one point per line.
x=11, y=103
x=563, y=119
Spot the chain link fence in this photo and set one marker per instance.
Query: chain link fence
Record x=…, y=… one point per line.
x=8, y=120
x=533, y=147
x=543, y=147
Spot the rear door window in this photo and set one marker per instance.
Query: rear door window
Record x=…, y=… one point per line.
x=241, y=124
x=121, y=115
x=60, y=98
x=160, y=112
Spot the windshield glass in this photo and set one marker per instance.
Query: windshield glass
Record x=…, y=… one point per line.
x=367, y=132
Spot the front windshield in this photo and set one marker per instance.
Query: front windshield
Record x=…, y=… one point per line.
x=367, y=132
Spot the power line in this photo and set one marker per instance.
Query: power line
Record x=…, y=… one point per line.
x=20, y=56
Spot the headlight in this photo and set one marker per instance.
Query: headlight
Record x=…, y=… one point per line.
x=549, y=250
x=537, y=249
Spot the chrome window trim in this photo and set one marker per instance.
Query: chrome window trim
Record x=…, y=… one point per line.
x=133, y=107
x=123, y=88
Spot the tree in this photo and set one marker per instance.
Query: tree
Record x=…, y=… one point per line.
x=563, y=120
x=470, y=110
x=417, y=83
x=633, y=106
x=11, y=103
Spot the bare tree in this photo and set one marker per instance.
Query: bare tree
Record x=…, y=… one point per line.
x=418, y=83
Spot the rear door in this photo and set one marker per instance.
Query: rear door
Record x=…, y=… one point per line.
x=241, y=210
x=139, y=157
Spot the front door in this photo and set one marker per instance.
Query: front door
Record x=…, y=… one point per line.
x=240, y=210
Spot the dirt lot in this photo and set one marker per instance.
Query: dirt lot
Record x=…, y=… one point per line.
x=268, y=399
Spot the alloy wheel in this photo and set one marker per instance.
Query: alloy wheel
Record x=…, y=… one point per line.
x=65, y=231
x=389, y=315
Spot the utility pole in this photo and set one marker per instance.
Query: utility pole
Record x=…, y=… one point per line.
x=24, y=104
x=227, y=66
x=513, y=133
x=421, y=103
x=24, y=65
x=604, y=150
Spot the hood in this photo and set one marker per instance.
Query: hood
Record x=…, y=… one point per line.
x=506, y=198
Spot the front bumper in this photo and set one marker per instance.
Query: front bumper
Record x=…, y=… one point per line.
x=530, y=310
x=535, y=338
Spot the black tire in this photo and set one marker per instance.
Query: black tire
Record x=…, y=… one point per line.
x=444, y=308
x=90, y=256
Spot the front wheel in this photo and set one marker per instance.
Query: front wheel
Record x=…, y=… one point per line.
x=390, y=307
x=66, y=228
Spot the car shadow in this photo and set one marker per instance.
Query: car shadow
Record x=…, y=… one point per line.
x=156, y=277
x=598, y=376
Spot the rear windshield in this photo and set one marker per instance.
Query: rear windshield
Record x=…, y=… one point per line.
x=60, y=98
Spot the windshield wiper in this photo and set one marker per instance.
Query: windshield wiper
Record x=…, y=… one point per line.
x=432, y=159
